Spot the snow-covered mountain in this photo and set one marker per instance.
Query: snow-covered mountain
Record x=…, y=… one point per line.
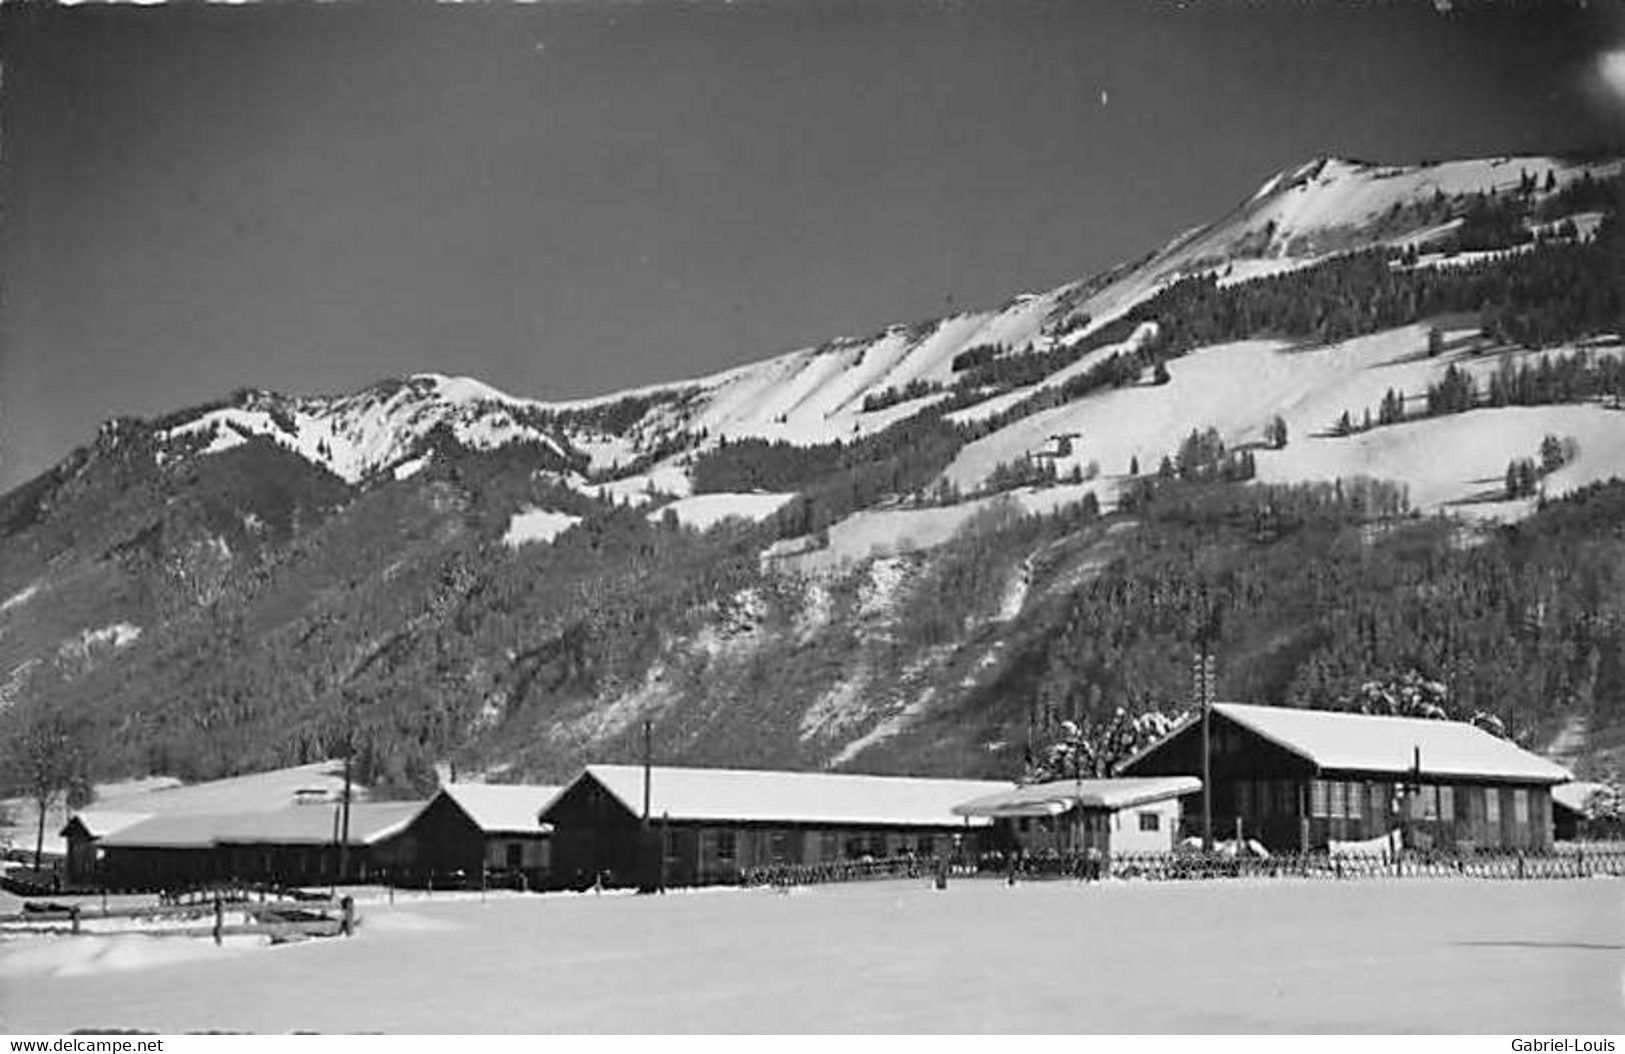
x=389, y=426
x=506, y=577
x=852, y=387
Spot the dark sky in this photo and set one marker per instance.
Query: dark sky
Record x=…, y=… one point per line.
x=566, y=198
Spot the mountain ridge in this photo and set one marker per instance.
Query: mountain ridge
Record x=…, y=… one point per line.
x=874, y=551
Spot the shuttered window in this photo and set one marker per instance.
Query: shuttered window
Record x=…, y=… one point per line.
x=1356, y=799
x=1520, y=806
x=1492, y=806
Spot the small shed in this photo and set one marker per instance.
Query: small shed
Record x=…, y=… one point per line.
x=1571, y=820
x=1124, y=815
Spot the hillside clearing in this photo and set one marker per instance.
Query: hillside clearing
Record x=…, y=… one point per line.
x=894, y=957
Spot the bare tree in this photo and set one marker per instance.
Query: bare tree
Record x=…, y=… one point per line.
x=47, y=754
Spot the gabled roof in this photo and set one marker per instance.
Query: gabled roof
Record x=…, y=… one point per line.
x=294, y=825
x=1060, y=796
x=506, y=808
x=99, y=823
x=752, y=795
x=1336, y=741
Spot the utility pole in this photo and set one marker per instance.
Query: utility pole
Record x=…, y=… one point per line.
x=344, y=803
x=1202, y=676
x=649, y=866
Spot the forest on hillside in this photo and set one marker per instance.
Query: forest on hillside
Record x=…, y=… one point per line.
x=391, y=622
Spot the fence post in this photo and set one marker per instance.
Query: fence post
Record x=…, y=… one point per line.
x=76, y=918
x=1520, y=864
x=219, y=918
x=347, y=927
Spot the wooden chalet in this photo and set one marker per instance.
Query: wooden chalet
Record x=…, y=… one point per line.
x=473, y=832
x=1126, y=815
x=706, y=825
x=1303, y=779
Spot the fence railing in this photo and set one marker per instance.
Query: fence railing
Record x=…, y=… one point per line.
x=280, y=919
x=1179, y=866
x=853, y=871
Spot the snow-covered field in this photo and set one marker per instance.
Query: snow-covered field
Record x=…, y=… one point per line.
x=1275, y=956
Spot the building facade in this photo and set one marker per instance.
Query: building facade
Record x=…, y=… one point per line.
x=1065, y=817
x=706, y=826
x=474, y=834
x=1310, y=779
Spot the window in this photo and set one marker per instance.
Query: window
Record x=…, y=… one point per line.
x=1447, y=802
x=1356, y=796
x=829, y=845
x=925, y=845
x=1492, y=806
x=1337, y=804
x=856, y=847
x=1520, y=806
x=1150, y=821
x=778, y=846
x=727, y=846
x=515, y=855
x=1317, y=798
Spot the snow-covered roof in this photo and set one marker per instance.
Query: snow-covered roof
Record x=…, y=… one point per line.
x=255, y=792
x=503, y=807
x=370, y=822
x=751, y=795
x=99, y=823
x=1059, y=796
x=1573, y=796
x=1371, y=743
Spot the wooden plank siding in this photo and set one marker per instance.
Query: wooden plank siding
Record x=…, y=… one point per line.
x=595, y=835
x=1286, y=803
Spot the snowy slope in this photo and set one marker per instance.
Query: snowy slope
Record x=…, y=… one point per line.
x=816, y=394
x=380, y=427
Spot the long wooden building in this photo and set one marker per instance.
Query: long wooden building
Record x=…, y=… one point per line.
x=1302, y=779
x=296, y=845
x=707, y=825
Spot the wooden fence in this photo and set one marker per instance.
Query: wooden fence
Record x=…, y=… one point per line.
x=1569, y=863
x=853, y=870
x=280, y=919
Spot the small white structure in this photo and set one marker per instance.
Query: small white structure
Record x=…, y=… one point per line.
x=1125, y=815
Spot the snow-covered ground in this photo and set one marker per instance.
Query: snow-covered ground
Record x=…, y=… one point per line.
x=1237, y=388
x=707, y=510
x=537, y=525
x=1276, y=956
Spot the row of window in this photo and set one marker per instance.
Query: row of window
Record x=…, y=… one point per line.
x=1354, y=800
x=722, y=845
